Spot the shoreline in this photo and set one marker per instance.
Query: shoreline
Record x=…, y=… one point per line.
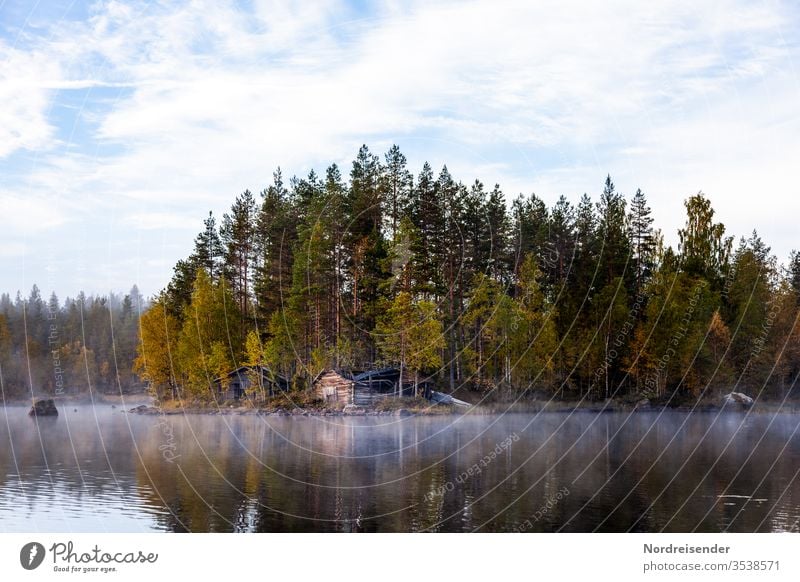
x=491, y=410
x=143, y=404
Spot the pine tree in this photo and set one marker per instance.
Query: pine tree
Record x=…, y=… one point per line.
x=208, y=249
x=274, y=239
x=398, y=189
x=450, y=248
x=336, y=217
x=474, y=228
x=428, y=216
x=366, y=191
x=366, y=248
x=314, y=268
x=612, y=230
x=208, y=254
x=748, y=301
x=642, y=238
x=531, y=231
x=573, y=302
x=499, y=230
x=559, y=252
x=237, y=235
x=794, y=271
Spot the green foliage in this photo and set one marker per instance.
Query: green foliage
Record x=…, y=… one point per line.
x=703, y=246
x=445, y=280
x=208, y=344
x=159, y=330
x=410, y=335
x=67, y=348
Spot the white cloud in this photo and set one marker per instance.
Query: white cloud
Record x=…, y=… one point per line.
x=159, y=221
x=23, y=100
x=26, y=216
x=12, y=250
x=545, y=96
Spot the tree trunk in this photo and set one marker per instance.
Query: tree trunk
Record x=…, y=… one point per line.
x=608, y=365
x=400, y=379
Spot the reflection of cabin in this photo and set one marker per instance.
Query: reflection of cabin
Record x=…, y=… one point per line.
x=258, y=380
x=365, y=388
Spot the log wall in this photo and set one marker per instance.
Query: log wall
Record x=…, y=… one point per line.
x=333, y=387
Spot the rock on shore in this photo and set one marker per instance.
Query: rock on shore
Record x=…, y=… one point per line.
x=44, y=407
x=737, y=399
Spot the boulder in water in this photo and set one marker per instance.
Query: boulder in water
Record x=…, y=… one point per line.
x=44, y=407
x=737, y=399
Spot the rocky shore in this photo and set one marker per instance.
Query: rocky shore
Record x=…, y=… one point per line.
x=294, y=412
x=729, y=402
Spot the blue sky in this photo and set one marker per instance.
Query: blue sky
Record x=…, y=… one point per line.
x=123, y=123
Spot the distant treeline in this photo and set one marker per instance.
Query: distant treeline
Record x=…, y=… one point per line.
x=65, y=349
x=449, y=281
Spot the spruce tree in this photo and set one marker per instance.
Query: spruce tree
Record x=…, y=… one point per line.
x=643, y=243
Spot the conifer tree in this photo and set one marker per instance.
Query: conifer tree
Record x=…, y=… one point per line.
x=397, y=188
x=237, y=236
x=643, y=241
x=274, y=240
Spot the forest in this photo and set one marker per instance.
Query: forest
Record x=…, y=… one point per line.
x=83, y=344
x=450, y=282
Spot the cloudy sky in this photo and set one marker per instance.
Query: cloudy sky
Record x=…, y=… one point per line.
x=123, y=123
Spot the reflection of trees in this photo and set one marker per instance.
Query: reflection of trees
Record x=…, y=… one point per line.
x=248, y=473
x=64, y=457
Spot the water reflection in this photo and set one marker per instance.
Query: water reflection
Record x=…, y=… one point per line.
x=98, y=469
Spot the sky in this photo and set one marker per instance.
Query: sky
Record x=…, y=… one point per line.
x=123, y=123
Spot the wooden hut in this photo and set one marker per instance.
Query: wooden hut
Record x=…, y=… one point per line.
x=249, y=379
x=365, y=388
x=334, y=386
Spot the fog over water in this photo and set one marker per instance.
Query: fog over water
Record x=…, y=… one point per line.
x=98, y=469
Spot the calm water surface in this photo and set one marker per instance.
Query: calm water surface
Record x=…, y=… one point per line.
x=98, y=469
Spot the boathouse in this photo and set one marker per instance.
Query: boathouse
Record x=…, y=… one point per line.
x=256, y=380
x=387, y=381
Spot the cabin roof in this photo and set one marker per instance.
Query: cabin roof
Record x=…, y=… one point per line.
x=382, y=373
x=389, y=374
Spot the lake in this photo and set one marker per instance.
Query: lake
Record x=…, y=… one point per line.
x=98, y=469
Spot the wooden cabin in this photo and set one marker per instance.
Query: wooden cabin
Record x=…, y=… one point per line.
x=365, y=388
x=334, y=386
x=249, y=379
